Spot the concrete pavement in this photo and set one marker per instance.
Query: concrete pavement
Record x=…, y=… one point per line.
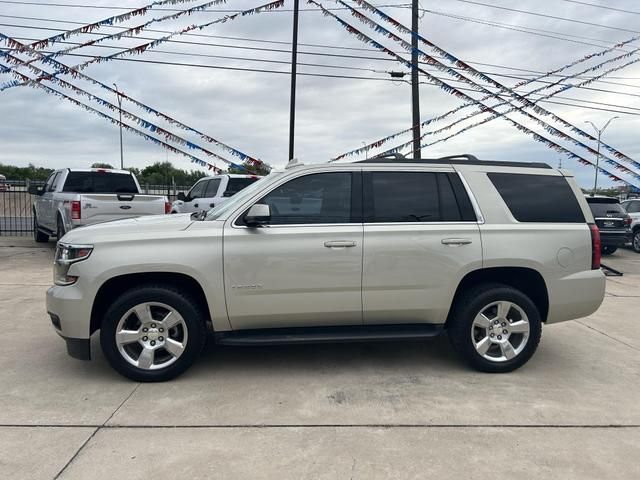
x=389, y=410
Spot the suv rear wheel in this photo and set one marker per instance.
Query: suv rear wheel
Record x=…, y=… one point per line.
x=152, y=333
x=495, y=328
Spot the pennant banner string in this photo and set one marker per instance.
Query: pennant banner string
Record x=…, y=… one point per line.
x=440, y=66
x=243, y=156
x=454, y=60
x=126, y=33
x=142, y=48
x=146, y=136
x=382, y=141
x=443, y=85
x=548, y=128
x=110, y=21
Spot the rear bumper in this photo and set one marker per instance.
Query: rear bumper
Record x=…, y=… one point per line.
x=575, y=296
x=613, y=239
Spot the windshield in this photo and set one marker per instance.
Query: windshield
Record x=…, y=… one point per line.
x=240, y=197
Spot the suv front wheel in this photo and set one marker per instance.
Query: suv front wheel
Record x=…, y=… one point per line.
x=153, y=333
x=496, y=328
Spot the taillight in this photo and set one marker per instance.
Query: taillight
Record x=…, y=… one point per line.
x=75, y=210
x=628, y=220
x=167, y=207
x=596, y=246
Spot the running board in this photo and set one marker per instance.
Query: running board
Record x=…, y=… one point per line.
x=369, y=333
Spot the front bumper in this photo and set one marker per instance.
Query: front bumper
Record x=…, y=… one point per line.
x=70, y=314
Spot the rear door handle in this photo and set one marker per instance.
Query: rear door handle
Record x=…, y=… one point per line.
x=339, y=244
x=456, y=242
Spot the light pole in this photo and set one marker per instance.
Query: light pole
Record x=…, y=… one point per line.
x=600, y=131
x=366, y=152
x=120, y=109
x=294, y=68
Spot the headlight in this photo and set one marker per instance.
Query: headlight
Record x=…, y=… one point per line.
x=66, y=255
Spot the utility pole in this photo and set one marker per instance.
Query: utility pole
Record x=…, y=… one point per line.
x=120, y=109
x=600, y=132
x=294, y=67
x=366, y=152
x=415, y=92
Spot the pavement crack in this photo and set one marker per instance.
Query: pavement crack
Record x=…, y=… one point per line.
x=95, y=431
x=76, y=454
x=609, y=336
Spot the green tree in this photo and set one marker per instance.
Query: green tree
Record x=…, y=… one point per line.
x=22, y=173
x=101, y=165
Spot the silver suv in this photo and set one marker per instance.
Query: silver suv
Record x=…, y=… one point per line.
x=375, y=250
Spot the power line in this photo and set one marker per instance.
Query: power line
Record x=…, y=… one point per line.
x=164, y=9
x=544, y=15
x=602, y=6
x=335, y=76
x=357, y=57
x=321, y=65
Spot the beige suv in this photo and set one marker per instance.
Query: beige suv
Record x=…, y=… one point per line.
x=375, y=250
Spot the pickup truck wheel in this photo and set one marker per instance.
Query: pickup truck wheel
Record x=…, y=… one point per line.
x=635, y=241
x=606, y=250
x=495, y=328
x=152, y=333
x=38, y=235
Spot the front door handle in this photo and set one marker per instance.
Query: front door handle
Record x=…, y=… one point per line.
x=456, y=242
x=339, y=244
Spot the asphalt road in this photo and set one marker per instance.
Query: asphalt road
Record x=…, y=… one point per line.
x=389, y=410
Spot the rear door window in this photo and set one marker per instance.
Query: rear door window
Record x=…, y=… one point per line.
x=100, y=182
x=632, y=207
x=538, y=198
x=415, y=197
x=198, y=190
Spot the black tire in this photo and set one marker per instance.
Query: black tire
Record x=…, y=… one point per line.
x=473, y=302
x=607, y=250
x=635, y=240
x=187, y=307
x=38, y=235
x=59, y=228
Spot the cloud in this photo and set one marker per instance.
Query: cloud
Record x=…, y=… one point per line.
x=250, y=110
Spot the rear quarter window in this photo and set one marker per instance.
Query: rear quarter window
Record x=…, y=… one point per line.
x=538, y=198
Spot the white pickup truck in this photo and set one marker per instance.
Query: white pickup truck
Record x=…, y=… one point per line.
x=75, y=197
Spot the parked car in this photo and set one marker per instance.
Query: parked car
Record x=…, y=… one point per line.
x=612, y=220
x=75, y=197
x=632, y=207
x=372, y=250
x=209, y=192
x=3, y=184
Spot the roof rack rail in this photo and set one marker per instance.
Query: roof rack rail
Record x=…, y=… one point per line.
x=396, y=155
x=466, y=156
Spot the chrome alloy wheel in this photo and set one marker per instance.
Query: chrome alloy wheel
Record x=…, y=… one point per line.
x=151, y=335
x=500, y=331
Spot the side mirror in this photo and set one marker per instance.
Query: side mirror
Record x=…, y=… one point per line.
x=35, y=190
x=228, y=193
x=181, y=196
x=258, y=215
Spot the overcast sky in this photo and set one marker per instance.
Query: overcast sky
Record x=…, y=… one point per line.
x=250, y=110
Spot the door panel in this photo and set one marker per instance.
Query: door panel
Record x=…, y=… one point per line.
x=286, y=277
x=410, y=272
x=421, y=237
x=305, y=267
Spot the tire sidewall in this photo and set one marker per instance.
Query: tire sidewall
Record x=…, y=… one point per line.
x=188, y=309
x=633, y=242
x=472, y=304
